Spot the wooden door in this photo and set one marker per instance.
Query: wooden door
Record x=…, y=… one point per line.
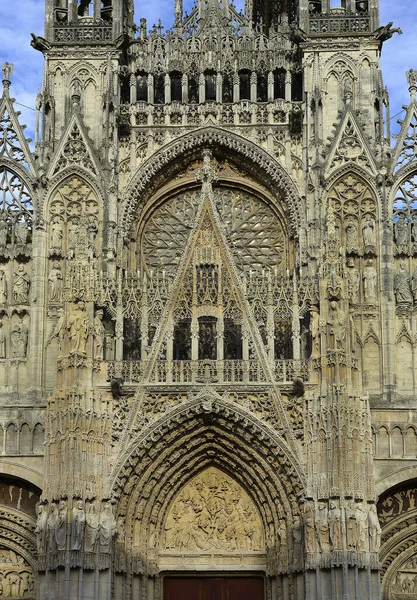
x=213, y=588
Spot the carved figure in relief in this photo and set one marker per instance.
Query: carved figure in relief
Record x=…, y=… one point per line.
x=56, y=237
x=41, y=528
x=14, y=581
x=401, y=231
x=58, y=331
x=21, y=232
x=362, y=527
x=353, y=277
x=374, y=529
x=77, y=526
x=3, y=287
x=21, y=285
x=55, y=283
x=98, y=332
x=351, y=237
x=19, y=339
x=414, y=284
x=322, y=526
x=411, y=77
x=368, y=233
x=335, y=518
x=51, y=527
x=402, y=285
x=3, y=232
x=61, y=526
x=297, y=533
x=309, y=528
x=78, y=328
x=2, y=341
x=369, y=282
x=107, y=527
x=337, y=323
x=73, y=231
x=92, y=526
x=315, y=331
x=351, y=526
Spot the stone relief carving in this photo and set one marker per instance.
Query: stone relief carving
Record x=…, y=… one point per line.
x=19, y=339
x=2, y=341
x=99, y=333
x=55, y=283
x=77, y=325
x=369, y=282
x=78, y=526
x=213, y=514
x=3, y=287
x=16, y=576
x=21, y=284
x=402, y=285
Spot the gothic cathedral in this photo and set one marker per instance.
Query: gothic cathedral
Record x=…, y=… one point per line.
x=208, y=309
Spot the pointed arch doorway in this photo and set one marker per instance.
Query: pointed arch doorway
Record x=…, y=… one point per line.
x=213, y=588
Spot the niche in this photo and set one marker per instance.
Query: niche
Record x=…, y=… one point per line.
x=141, y=87
x=244, y=85
x=176, y=87
x=210, y=82
x=279, y=84
x=207, y=338
x=227, y=89
x=182, y=340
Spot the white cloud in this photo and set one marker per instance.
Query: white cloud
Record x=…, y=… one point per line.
x=19, y=19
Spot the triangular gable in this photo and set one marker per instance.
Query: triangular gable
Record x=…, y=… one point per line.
x=74, y=149
x=405, y=151
x=350, y=145
x=13, y=144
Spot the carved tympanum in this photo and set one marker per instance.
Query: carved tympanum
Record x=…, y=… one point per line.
x=214, y=514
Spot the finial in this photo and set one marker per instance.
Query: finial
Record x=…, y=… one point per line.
x=7, y=70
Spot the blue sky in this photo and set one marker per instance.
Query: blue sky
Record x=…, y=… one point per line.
x=18, y=19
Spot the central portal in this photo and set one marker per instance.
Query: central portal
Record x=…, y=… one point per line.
x=213, y=588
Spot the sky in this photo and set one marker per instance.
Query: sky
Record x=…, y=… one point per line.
x=18, y=19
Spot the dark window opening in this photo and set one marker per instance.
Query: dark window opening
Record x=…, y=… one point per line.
x=182, y=341
x=362, y=7
x=142, y=87
x=106, y=10
x=297, y=87
x=232, y=340
x=262, y=88
x=227, y=91
x=279, y=84
x=244, y=85
x=207, y=338
x=176, y=87
x=210, y=80
x=125, y=88
x=159, y=89
x=283, y=340
x=315, y=7
x=193, y=90
x=131, y=341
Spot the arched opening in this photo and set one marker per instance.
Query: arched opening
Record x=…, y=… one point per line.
x=244, y=84
x=141, y=87
x=210, y=85
x=176, y=86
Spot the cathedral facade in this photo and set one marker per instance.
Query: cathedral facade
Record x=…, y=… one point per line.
x=208, y=309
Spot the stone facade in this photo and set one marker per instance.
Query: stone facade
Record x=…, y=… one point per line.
x=208, y=294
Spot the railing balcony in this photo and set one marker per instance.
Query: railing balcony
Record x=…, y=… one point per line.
x=179, y=372
x=339, y=23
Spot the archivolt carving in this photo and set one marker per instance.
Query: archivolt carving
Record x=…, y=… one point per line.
x=191, y=144
x=213, y=513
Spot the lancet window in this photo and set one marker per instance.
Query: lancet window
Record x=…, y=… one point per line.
x=16, y=210
x=405, y=215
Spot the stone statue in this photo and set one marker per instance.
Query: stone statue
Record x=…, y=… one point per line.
x=3, y=232
x=99, y=332
x=368, y=233
x=19, y=339
x=402, y=285
x=401, y=231
x=309, y=528
x=7, y=70
x=56, y=237
x=369, y=282
x=21, y=233
x=353, y=277
x=107, y=527
x=92, y=526
x=322, y=526
x=374, y=529
x=337, y=323
x=3, y=287
x=78, y=328
x=414, y=285
x=73, y=231
x=58, y=331
x=61, y=526
x=411, y=77
x=362, y=527
x=41, y=527
x=21, y=285
x=55, y=283
x=351, y=526
x=2, y=341
x=315, y=331
x=351, y=237
x=78, y=526
x=51, y=527
x=335, y=525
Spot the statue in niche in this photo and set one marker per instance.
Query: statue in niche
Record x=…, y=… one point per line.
x=362, y=527
x=283, y=554
x=51, y=527
x=351, y=526
x=368, y=234
x=56, y=238
x=414, y=231
x=414, y=285
x=19, y=339
x=309, y=528
x=401, y=232
x=78, y=328
x=55, y=283
x=337, y=324
x=369, y=282
x=91, y=235
x=73, y=231
x=3, y=287
x=21, y=233
x=402, y=285
x=61, y=526
x=297, y=534
x=41, y=528
x=14, y=584
x=21, y=285
x=315, y=331
x=107, y=527
x=3, y=232
x=77, y=526
x=58, y=331
x=353, y=278
x=2, y=341
x=374, y=529
x=98, y=332
x=351, y=237
x=335, y=518
x=92, y=526
x=322, y=526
